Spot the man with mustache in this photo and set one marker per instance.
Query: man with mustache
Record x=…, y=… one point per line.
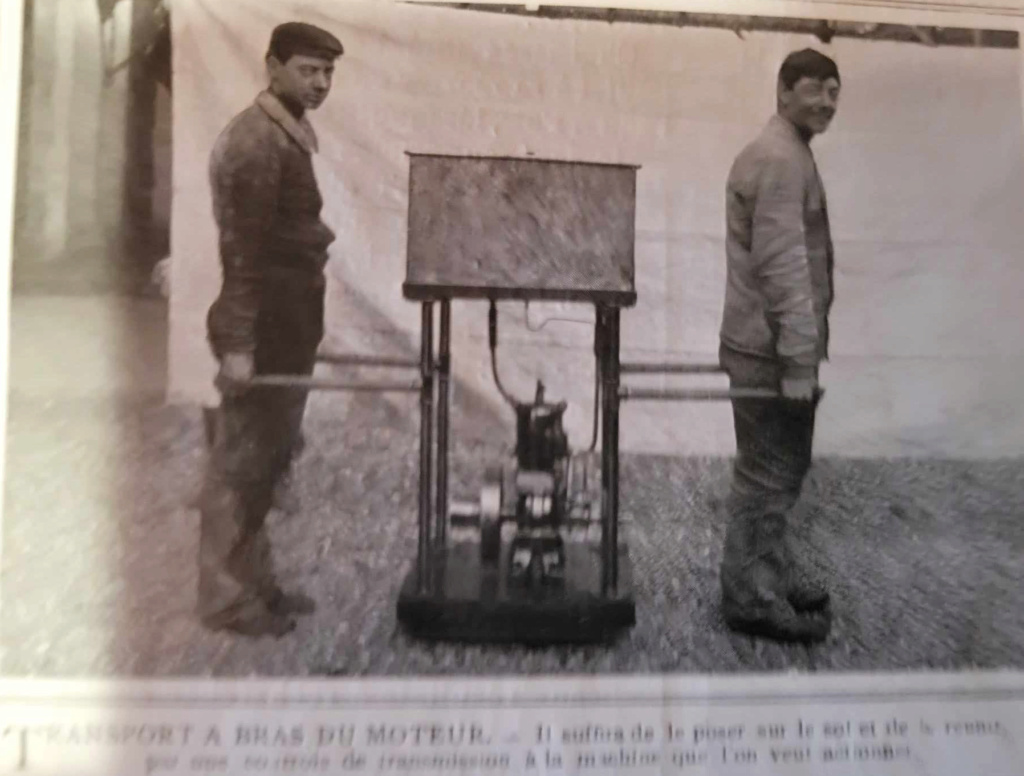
x=268, y=319
x=774, y=335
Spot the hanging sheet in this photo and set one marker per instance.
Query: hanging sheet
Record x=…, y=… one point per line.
x=924, y=171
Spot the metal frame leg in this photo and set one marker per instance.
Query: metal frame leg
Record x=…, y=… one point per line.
x=608, y=321
x=443, y=391
x=426, y=424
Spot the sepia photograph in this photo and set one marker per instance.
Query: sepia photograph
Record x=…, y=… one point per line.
x=386, y=339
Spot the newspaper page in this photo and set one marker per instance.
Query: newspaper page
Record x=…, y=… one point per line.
x=477, y=388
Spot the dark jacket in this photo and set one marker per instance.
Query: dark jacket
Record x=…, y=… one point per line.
x=267, y=206
x=779, y=254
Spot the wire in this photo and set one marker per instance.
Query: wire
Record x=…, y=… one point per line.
x=598, y=375
x=509, y=399
x=492, y=337
x=526, y=305
x=597, y=405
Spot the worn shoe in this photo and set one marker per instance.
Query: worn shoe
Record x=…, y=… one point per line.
x=282, y=603
x=758, y=588
x=778, y=622
x=807, y=594
x=254, y=624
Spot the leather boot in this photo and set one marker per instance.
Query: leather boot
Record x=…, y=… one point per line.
x=757, y=585
x=253, y=619
x=806, y=592
x=295, y=602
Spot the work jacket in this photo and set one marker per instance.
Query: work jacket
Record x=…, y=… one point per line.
x=779, y=286
x=267, y=206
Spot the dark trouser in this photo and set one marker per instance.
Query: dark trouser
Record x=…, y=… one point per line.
x=774, y=439
x=763, y=590
x=255, y=440
x=773, y=453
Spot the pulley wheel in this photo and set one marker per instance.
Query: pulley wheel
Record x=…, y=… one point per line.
x=490, y=517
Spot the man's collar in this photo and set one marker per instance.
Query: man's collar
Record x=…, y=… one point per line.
x=300, y=129
x=787, y=126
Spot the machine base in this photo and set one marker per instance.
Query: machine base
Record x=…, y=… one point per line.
x=469, y=602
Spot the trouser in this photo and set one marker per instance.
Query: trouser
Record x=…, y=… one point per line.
x=774, y=440
x=763, y=588
x=255, y=439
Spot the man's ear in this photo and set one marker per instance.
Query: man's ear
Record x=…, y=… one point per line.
x=782, y=94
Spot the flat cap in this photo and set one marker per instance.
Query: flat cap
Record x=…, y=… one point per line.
x=293, y=38
x=807, y=63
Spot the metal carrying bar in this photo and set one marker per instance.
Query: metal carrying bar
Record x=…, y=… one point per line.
x=355, y=359
x=327, y=384
x=702, y=394
x=665, y=367
x=464, y=514
x=346, y=359
x=690, y=394
x=697, y=394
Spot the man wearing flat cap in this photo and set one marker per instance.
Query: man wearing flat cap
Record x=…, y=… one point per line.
x=267, y=319
x=774, y=335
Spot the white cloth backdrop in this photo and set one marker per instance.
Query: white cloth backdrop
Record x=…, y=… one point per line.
x=924, y=169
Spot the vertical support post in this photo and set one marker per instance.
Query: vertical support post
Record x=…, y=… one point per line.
x=443, y=390
x=426, y=424
x=139, y=180
x=610, y=452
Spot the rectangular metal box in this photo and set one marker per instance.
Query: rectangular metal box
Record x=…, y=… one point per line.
x=520, y=228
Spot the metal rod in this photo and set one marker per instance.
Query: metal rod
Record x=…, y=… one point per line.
x=492, y=341
x=697, y=394
x=667, y=367
x=610, y=453
x=443, y=391
x=355, y=359
x=426, y=422
x=612, y=435
x=327, y=384
x=465, y=513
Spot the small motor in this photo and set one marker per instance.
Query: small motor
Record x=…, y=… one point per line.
x=542, y=452
x=541, y=443
x=543, y=488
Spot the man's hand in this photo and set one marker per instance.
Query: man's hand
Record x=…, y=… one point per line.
x=236, y=370
x=799, y=388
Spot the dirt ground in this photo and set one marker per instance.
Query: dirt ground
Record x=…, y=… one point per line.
x=99, y=550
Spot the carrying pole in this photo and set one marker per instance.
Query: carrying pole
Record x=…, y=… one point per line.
x=704, y=394
x=301, y=382
x=359, y=359
x=669, y=367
